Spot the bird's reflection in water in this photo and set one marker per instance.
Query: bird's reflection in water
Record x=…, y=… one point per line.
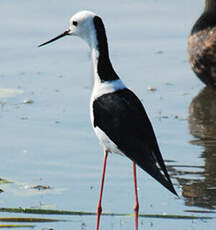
x=199, y=182
x=202, y=115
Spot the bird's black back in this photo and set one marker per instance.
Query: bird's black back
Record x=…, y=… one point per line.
x=122, y=117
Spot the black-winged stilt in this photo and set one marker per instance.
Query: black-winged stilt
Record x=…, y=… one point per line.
x=202, y=45
x=117, y=115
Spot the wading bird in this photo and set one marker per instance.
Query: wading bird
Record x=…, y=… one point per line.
x=117, y=115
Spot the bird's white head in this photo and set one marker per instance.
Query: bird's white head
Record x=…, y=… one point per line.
x=88, y=26
x=81, y=25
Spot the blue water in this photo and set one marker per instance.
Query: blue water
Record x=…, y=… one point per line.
x=51, y=142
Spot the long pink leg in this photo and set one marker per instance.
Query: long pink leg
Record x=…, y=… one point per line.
x=136, y=206
x=99, y=208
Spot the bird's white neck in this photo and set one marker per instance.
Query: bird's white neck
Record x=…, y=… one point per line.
x=105, y=78
x=92, y=41
x=103, y=87
x=95, y=58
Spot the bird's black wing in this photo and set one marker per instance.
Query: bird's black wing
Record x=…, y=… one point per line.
x=122, y=117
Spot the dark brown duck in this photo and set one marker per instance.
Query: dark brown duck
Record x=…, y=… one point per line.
x=202, y=45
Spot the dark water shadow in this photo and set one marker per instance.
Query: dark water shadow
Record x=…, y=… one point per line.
x=202, y=115
x=199, y=182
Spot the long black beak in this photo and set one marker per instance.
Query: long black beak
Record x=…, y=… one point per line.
x=56, y=38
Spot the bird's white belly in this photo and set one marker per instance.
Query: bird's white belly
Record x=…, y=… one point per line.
x=101, y=88
x=105, y=141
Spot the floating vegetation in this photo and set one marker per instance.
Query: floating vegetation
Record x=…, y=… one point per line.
x=25, y=220
x=83, y=213
x=28, y=219
x=4, y=181
x=41, y=187
x=150, y=88
x=16, y=226
x=28, y=101
x=9, y=92
x=26, y=189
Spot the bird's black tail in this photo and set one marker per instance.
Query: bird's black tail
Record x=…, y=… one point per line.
x=150, y=166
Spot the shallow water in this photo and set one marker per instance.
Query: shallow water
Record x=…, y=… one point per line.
x=51, y=142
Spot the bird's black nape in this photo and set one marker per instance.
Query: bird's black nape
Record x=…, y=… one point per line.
x=101, y=36
x=104, y=68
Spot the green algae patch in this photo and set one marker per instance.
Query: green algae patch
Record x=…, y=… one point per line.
x=4, y=181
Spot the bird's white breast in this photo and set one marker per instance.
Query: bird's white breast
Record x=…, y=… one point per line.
x=99, y=89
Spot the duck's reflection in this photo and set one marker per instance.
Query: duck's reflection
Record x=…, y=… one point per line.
x=201, y=190
x=202, y=114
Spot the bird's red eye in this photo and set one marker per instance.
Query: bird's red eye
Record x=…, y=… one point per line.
x=75, y=23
